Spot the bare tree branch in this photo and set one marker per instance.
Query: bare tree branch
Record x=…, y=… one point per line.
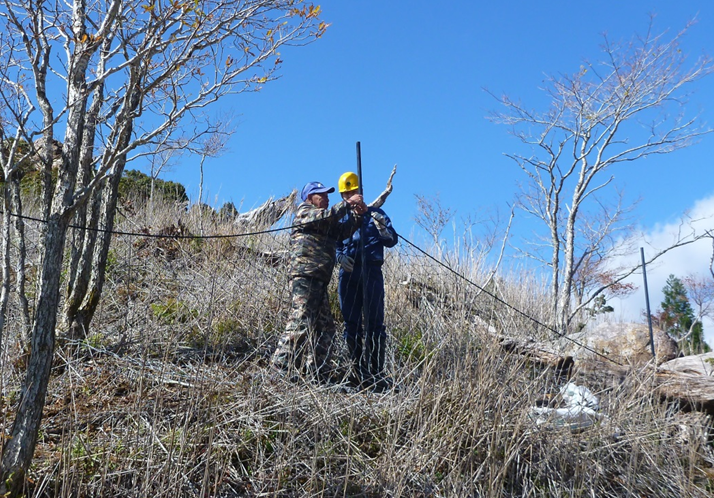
x=626, y=106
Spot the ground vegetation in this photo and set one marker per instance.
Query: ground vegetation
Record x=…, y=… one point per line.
x=171, y=394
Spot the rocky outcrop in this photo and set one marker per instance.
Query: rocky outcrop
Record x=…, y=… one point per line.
x=625, y=343
x=56, y=152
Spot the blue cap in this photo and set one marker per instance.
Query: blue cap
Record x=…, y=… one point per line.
x=315, y=188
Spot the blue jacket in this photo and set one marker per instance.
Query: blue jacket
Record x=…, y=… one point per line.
x=374, y=243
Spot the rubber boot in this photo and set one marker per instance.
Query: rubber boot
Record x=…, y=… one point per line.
x=370, y=349
x=380, y=381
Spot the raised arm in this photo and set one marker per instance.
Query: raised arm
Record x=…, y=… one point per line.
x=379, y=201
x=308, y=214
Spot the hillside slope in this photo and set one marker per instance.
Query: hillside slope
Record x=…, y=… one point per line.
x=170, y=394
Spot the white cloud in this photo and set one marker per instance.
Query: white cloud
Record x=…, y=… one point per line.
x=692, y=259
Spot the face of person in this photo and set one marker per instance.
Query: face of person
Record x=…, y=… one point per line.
x=319, y=200
x=349, y=193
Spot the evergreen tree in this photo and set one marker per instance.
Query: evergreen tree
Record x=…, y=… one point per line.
x=677, y=318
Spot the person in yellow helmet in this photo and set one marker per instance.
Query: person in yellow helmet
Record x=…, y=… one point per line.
x=367, y=348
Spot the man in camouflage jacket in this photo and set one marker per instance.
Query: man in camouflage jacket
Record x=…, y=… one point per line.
x=306, y=344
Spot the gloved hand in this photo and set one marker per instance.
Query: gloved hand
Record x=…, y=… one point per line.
x=381, y=223
x=346, y=263
x=379, y=219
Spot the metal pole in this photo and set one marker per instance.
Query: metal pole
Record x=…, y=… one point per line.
x=647, y=299
x=363, y=256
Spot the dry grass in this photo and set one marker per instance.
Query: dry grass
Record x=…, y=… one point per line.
x=170, y=395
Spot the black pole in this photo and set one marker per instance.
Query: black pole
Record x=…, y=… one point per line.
x=647, y=299
x=363, y=256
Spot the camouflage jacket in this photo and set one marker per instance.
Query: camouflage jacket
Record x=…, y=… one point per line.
x=313, y=240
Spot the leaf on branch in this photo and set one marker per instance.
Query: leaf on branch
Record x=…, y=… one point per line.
x=321, y=28
x=313, y=11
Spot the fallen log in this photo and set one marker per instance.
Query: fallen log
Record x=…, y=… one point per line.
x=562, y=364
x=691, y=391
x=696, y=364
x=694, y=392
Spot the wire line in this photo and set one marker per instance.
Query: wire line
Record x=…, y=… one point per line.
x=274, y=230
x=522, y=313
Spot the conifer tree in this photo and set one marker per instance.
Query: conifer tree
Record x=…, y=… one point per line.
x=677, y=318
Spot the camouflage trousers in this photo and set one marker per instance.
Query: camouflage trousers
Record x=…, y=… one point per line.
x=306, y=345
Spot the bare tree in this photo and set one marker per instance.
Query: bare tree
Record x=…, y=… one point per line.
x=625, y=107
x=700, y=290
x=116, y=78
x=211, y=147
x=433, y=217
x=160, y=162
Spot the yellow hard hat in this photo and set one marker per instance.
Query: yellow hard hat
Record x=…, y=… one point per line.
x=348, y=181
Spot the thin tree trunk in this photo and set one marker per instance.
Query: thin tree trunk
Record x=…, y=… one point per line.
x=200, y=196
x=555, y=273
x=20, y=276
x=5, y=292
x=94, y=265
x=78, y=239
x=567, y=284
x=18, y=450
x=81, y=275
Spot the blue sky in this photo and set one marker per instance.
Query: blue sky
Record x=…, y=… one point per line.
x=407, y=79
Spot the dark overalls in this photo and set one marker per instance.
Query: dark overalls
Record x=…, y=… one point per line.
x=366, y=348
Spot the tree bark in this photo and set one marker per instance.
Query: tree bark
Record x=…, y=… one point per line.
x=80, y=272
x=20, y=276
x=91, y=269
x=6, y=264
x=12, y=205
x=94, y=266
x=18, y=450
